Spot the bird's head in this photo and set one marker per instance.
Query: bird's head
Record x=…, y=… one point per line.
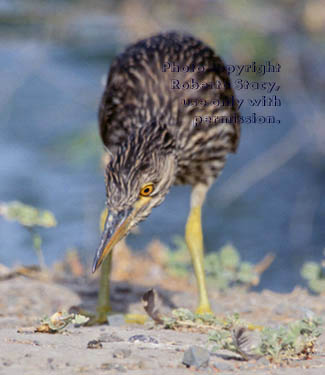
x=138, y=177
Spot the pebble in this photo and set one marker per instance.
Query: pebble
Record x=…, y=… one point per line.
x=143, y=338
x=222, y=366
x=196, y=356
x=246, y=309
x=248, y=366
x=113, y=366
x=263, y=361
x=142, y=365
x=307, y=313
x=280, y=309
x=106, y=337
x=121, y=353
x=94, y=344
x=49, y=362
x=7, y=362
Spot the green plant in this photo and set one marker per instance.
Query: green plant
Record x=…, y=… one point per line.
x=184, y=318
x=178, y=259
x=283, y=343
x=277, y=344
x=314, y=273
x=60, y=320
x=223, y=268
x=29, y=217
x=294, y=341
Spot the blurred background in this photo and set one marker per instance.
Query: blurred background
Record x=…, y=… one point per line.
x=54, y=58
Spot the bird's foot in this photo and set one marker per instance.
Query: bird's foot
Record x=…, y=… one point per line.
x=135, y=318
x=102, y=318
x=204, y=309
x=97, y=318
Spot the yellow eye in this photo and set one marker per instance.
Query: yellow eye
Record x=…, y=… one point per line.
x=146, y=190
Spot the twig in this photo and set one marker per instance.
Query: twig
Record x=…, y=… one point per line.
x=264, y=264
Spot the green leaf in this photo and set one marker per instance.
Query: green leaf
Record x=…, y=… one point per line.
x=37, y=241
x=317, y=286
x=183, y=314
x=229, y=257
x=27, y=215
x=311, y=271
x=80, y=319
x=212, y=264
x=246, y=273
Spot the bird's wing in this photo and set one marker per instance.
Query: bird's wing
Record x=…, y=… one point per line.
x=140, y=88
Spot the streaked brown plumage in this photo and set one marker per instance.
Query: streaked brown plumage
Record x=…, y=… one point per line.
x=138, y=94
x=150, y=133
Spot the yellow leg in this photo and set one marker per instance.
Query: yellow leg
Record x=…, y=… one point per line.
x=103, y=304
x=194, y=240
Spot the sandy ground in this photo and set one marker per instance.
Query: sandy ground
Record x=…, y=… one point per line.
x=23, y=301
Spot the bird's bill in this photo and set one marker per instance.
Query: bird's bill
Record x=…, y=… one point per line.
x=115, y=228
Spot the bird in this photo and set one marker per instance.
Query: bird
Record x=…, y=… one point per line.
x=168, y=116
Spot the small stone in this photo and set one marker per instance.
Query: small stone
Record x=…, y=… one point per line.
x=94, y=344
x=50, y=361
x=223, y=366
x=122, y=353
x=315, y=363
x=141, y=365
x=307, y=313
x=106, y=337
x=120, y=368
x=107, y=366
x=26, y=330
x=113, y=366
x=196, y=356
x=7, y=362
x=116, y=320
x=246, y=309
x=263, y=362
x=249, y=366
x=280, y=309
x=143, y=338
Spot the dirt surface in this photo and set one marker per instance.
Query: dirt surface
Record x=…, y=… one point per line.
x=27, y=295
x=23, y=301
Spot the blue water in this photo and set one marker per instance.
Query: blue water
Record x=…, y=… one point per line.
x=50, y=158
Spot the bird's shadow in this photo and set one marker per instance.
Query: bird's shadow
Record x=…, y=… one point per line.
x=124, y=296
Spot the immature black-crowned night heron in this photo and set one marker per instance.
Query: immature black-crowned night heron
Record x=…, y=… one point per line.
x=168, y=116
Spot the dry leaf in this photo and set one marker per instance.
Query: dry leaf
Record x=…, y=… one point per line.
x=59, y=320
x=151, y=305
x=26, y=330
